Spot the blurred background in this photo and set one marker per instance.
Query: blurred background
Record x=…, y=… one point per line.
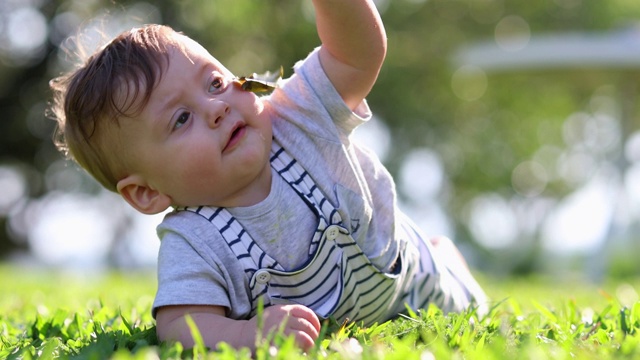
x=510, y=126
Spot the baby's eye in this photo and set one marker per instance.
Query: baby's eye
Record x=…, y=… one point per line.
x=181, y=120
x=216, y=85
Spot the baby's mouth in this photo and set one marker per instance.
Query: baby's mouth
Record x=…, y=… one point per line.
x=235, y=137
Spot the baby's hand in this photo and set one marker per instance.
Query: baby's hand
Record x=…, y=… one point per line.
x=301, y=322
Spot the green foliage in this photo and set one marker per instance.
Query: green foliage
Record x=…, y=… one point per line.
x=536, y=318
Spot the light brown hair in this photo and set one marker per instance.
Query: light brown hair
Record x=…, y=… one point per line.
x=114, y=83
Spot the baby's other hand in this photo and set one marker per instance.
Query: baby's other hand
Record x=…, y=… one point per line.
x=300, y=321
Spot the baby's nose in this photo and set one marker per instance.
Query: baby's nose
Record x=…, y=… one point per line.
x=217, y=111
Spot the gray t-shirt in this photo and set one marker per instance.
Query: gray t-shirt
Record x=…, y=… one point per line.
x=310, y=120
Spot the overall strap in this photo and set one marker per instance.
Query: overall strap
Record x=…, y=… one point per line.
x=242, y=245
x=300, y=180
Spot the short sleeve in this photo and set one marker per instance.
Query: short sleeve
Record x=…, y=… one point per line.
x=185, y=277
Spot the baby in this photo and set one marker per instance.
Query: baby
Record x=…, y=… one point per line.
x=273, y=204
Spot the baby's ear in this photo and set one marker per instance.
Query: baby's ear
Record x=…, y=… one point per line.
x=138, y=194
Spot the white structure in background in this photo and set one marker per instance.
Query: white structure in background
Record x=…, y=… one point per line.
x=519, y=51
x=599, y=208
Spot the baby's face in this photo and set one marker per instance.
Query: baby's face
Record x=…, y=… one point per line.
x=201, y=139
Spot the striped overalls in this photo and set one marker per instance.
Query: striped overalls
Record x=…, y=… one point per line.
x=339, y=280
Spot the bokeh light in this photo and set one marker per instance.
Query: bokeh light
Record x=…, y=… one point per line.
x=14, y=189
x=469, y=82
x=421, y=176
x=512, y=33
x=529, y=178
x=25, y=33
x=492, y=221
x=581, y=222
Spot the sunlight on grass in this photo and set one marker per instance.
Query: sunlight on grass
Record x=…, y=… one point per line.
x=50, y=316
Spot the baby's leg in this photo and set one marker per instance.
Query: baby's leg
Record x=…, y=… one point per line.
x=446, y=251
x=439, y=273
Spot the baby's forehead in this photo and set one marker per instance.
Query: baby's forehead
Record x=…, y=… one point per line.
x=185, y=60
x=196, y=53
x=180, y=52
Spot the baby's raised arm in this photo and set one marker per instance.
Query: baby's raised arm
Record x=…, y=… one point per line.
x=354, y=45
x=215, y=327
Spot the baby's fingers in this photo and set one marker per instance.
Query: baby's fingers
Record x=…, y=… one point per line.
x=303, y=312
x=304, y=340
x=304, y=333
x=304, y=325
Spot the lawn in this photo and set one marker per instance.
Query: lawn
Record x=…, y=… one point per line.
x=52, y=315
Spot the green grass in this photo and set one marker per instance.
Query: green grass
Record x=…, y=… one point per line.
x=56, y=315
